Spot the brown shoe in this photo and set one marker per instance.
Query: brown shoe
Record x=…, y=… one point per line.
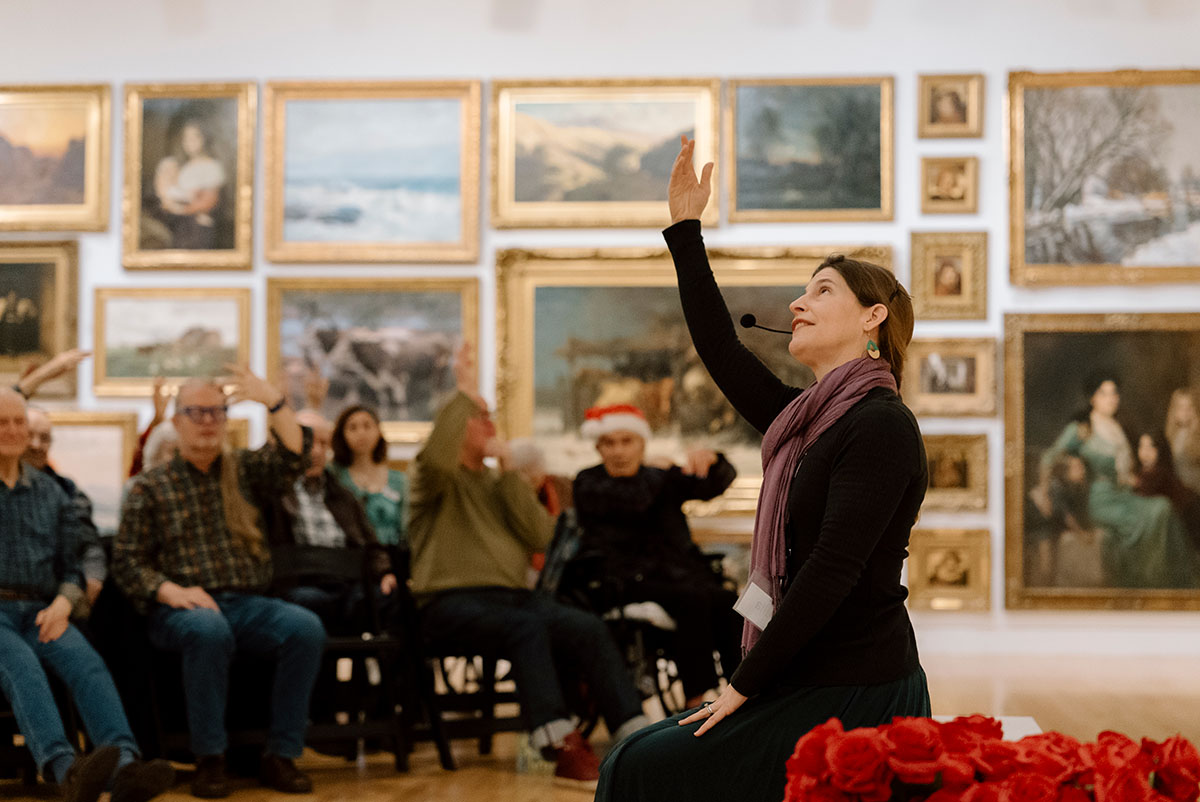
x=281, y=774
x=209, y=781
x=141, y=781
x=576, y=763
x=89, y=774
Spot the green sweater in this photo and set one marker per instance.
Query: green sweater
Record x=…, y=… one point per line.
x=468, y=528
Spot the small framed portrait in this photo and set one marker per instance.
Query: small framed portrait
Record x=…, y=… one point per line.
x=958, y=472
x=54, y=153
x=38, y=309
x=789, y=156
x=177, y=333
x=95, y=449
x=949, y=569
x=189, y=176
x=372, y=171
x=951, y=377
x=949, y=185
x=596, y=153
x=951, y=106
x=949, y=275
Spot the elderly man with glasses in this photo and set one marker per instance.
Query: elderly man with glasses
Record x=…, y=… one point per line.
x=191, y=554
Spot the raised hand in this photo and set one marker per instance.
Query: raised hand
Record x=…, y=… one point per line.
x=316, y=387
x=687, y=197
x=162, y=395
x=57, y=366
x=243, y=385
x=699, y=461
x=465, y=373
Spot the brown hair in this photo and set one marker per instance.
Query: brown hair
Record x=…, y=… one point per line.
x=342, y=454
x=872, y=284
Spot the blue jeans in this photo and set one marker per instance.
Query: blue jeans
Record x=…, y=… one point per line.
x=260, y=625
x=75, y=662
x=547, y=642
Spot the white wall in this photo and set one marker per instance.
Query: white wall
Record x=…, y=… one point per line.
x=43, y=41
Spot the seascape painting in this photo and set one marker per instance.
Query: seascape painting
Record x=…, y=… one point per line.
x=1106, y=177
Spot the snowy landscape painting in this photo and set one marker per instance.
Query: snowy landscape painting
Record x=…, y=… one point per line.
x=1106, y=177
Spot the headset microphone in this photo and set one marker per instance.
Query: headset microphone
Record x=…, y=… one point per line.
x=751, y=322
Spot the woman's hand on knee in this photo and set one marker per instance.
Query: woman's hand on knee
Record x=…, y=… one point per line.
x=712, y=712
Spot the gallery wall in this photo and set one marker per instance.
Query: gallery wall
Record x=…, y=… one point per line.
x=120, y=41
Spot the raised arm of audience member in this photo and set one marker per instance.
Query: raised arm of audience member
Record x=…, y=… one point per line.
x=273, y=468
x=28, y=384
x=162, y=395
x=442, y=451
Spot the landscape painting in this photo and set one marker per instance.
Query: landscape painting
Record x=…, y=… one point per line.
x=387, y=344
x=607, y=328
x=805, y=150
x=373, y=172
x=174, y=333
x=595, y=153
x=95, y=449
x=1105, y=177
x=54, y=157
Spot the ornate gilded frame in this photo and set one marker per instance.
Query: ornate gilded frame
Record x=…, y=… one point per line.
x=241, y=256
x=92, y=214
x=465, y=249
x=105, y=385
x=973, y=549
x=886, y=157
x=973, y=448
x=1017, y=594
x=1049, y=274
x=972, y=127
x=507, y=212
x=981, y=402
x=520, y=272
x=971, y=249
x=968, y=204
x=60, y=295
x=126, y=423
x=467, y=288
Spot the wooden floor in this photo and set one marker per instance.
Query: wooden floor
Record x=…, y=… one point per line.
x=1079, y=696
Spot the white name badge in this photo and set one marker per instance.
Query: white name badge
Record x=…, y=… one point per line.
x=754, y=605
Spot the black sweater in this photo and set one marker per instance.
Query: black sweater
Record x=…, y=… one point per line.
x=851, y=506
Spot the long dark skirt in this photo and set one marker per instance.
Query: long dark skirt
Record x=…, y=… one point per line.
x=743, y=758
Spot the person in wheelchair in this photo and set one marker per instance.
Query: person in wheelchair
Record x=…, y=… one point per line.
x=631, y=516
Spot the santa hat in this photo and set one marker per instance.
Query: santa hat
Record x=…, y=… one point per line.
x=599, y=421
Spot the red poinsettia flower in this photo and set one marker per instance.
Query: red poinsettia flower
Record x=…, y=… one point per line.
x=1177, y=769
x=1029, y=786
x=808, y=758
x=915, y=750
x=858, y=764
x=1052, y=755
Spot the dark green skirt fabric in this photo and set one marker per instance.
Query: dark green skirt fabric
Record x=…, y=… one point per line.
x=743, y=758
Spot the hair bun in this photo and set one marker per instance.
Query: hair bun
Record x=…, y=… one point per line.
x=835, y=258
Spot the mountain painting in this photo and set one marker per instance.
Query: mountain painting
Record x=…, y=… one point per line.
x=598, y=151
x=42, y=154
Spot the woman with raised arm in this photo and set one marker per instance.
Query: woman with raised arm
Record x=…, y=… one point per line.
x=844, y=475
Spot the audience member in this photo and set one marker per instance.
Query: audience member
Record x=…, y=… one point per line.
x=191, y=555
x=40, y=582
x=360, y=464
x=630, y=514
x=472, y=530
x=161, y=395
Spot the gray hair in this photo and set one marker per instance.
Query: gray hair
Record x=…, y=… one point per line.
x=526, y=456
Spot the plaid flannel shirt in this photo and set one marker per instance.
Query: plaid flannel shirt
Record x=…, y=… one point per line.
x=173, y=524
x=39, y=538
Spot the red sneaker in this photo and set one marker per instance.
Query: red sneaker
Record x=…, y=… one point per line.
x=576, y=762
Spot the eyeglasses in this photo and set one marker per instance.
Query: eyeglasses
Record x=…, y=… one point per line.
x=199, y=414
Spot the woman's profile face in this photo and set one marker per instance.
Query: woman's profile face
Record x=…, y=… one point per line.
x=1106, y=400
x=827, y=319
x=191, y=139
x=1147, y=452
x=362, y=433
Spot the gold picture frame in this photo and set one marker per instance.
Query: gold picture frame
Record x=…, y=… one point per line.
x=154, y=199
x=541, y=110
x=437, y=173
x=409, y=320
x=769, y=154
x=1080, y=534
x=204, y=328
x=949, y=185
x=601, y=293
x=949, y=569
x=1080, y=211
x=946, y=377
x=949, y=275
x=42, y=285
x=950, y=106
x=958, y=472
x=68, y=125
x=95, y=450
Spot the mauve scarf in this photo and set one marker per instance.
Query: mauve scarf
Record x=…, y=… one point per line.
x=789, y=436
